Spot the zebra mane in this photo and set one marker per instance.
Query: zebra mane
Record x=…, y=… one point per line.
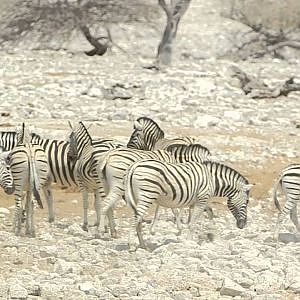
x=86, y=131
x=227, y=167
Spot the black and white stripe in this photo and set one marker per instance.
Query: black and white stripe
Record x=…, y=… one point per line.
x=8, y=140
x=113, y=169
x=88, y=154
x=147, y=135
x=289, y=181
x=30, y=171
x=184, y=185
x=6, y=179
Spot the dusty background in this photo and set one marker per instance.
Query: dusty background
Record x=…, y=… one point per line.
x=196, y=96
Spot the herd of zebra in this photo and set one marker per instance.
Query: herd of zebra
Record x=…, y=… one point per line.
x=150, y=169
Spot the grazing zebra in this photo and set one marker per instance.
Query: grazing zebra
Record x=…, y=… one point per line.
x=185, y=153
x=8, y=140
x=147, y=135
x=289, y=181
x=87, y=154
x=30, y=171
x=113, y=169
x=184, y=185
x=6, y=179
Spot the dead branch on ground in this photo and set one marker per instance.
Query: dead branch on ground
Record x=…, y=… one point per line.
x=256, y=89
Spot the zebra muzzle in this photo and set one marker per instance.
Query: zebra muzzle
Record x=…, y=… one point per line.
x=9, y=190
x=241, y=223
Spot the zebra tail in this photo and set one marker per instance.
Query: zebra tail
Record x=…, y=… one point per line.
x=129, y=194
x=34, y=180
x=275, y=189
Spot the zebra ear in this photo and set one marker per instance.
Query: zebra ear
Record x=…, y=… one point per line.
x=247, y=187
x=70, y=124
x=137, y=125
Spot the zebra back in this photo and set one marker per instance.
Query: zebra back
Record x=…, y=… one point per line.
x=29, y=167
x=290, y=176
x=184, y=153
x=8, y=140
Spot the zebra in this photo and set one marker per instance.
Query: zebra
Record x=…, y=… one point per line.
x=62, y=161
x=30, y=171
x=8, y=140
x=116, y=163
x=289, y=181
x=184, y=185
x=6, y=179
x=185, y=153
x=86, y=154
x=147, y=135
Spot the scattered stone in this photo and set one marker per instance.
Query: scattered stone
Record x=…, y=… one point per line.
x=231, y=288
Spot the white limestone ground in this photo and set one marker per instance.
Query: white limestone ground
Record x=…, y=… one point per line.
x=196, y=96
x=256, y=137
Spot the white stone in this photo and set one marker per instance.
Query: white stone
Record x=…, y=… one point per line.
x=206, y=121
x=87, y=287
x=231, y=288
x=17, y=291
x=4, y=211
x=233, y=115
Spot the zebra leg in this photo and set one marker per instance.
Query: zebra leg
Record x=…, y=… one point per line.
x=178, y=216
x=139, y=232
x=30, y=208
x=85, y=199
x=107, y=212
x=49, y=197
x=155, y=219
x=294, y=217
x=197, y=212
x=97, y=206
x=18, y=215
x=28, y=214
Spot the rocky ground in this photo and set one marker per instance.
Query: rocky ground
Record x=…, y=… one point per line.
x=196, y=96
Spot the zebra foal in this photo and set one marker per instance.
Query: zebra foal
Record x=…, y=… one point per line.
x=289, y=181
x=30, y=171
x=184, y=185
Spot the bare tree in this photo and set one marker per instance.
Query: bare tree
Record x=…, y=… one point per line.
x=174, y=12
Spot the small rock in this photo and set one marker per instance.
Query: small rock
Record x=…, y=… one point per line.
x=17, y=291
x=206, y=121
x=231, y=288
x=87, y=287
x=4, y=211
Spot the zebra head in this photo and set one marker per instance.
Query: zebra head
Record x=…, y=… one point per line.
x=6, y=178
x=145, y=134
x=238, y=202
x=79, y=139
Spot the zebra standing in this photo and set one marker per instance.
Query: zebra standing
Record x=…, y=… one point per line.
x=30, y=171
x=289, y=181
x=147, y=135
x=87, y=154
x=184, y=185
x=6, y=179
x=116, y=163
x=62, y=168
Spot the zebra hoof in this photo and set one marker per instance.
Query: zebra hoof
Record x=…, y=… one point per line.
x=85, y=227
